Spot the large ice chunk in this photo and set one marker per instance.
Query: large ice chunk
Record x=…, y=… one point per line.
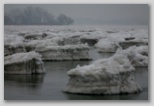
x=137, y=55
x=133, y=42
x=66, y=52
x=23, y=63
x=13, y=44
x=71, y=40
x=35, y=36
x=126, y=39
x=107, y=45
x=105, y=76
x=32, y=45
x=93, y=38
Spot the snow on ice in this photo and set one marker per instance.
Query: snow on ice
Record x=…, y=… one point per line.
x=107, y=45
x=28, y=46
x=13, y=44
x=137, y=55
x=105, y=76
x=66, y=52
x=23, y=63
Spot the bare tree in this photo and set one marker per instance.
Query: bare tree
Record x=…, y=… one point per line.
x=64, y=20
x=34, y=16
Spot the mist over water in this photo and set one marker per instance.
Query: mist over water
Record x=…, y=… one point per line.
x=63, y=25
x=94, y=14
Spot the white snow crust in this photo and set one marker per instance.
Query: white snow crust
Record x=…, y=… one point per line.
x=66, y=52
x=23, y=63
x=13, y=44
x=137, y=55
x=105, y=76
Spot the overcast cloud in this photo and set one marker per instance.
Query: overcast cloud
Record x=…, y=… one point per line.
x=96, y=14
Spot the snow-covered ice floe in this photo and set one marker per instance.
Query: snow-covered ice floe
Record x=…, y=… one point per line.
x=107, y=45
x=66, y=52
x=70, y=40
x=35, y=36
x=13, y=44
x=138, y=56
x=33, y=44
x=131, y=42
x=65, y=40
x=113, y=75
x=136, y=37
x=51, y=41
x=23, y=63
x=123, y=39
x=92, y=38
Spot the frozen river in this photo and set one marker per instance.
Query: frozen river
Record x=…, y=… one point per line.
x=50, y=85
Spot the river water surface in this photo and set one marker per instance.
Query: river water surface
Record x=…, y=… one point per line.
x=50, y=85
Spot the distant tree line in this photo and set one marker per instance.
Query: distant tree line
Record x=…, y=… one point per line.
x=34, y=16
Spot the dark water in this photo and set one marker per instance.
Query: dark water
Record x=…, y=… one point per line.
x=49, y=86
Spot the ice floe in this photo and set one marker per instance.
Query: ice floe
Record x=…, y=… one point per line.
x=107, y=45
x=105, y=76
x=13, y=44
x=137, y=55
x=66, y=52
x=23, y=63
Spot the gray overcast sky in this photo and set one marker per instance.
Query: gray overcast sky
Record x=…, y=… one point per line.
x=96, y=14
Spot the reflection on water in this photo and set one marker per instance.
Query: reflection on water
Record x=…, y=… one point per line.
x=35, y=78
x=49, y=86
